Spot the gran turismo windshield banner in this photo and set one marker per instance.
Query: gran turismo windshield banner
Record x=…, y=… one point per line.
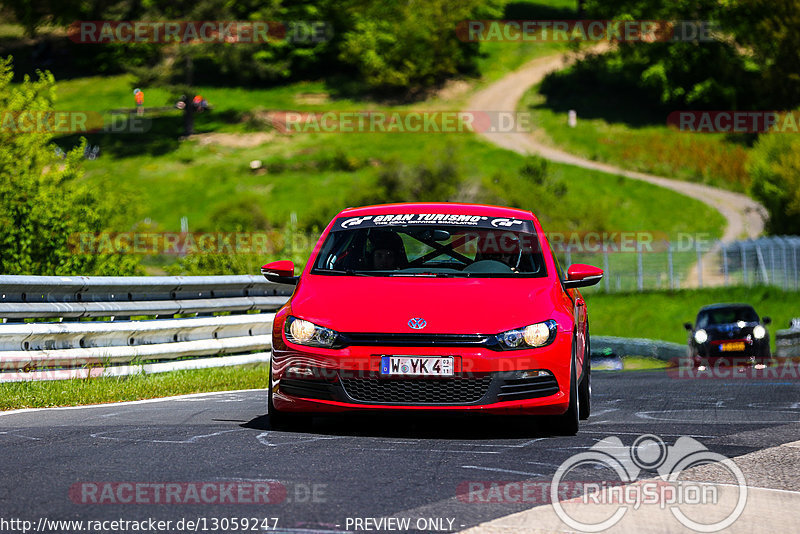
x=414, y=219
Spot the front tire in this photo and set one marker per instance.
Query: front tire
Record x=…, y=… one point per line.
x=567, y=424
x=585, y=389
x=282, y=420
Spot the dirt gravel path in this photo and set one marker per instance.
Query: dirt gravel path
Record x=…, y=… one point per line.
x=744, y=216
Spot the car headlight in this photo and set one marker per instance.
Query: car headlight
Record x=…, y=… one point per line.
x=533, y=335
x=701, y=336
x=759, y=332
x=304, y=332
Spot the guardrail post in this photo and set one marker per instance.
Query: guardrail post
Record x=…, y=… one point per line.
x=670, y=266
x=639, y=268
x=785, y=268
x=699, y=263
x=762, y=264
x=744, y=264
x=725, y=263
x=772, y=264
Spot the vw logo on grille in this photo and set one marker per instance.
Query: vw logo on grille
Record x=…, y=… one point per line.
x=417, y=323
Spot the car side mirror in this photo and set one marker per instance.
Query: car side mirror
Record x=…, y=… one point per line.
x=280, y=272
x=688, y=326
x=766, y=320
x=582, y=275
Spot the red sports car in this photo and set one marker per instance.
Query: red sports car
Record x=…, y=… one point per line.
x=435, y=307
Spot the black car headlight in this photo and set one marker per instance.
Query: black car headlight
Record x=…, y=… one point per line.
x=531, y=336
x=759, y=332
x=701, y=336
x=302, y=332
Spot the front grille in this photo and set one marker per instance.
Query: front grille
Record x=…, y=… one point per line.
x=309, y=389
x=457, y=390
x=528, y=388
x=417, y=340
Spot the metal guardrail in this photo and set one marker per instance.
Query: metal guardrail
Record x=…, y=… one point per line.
x=623, y=346
x=159, y=342
x=787, y=342
x=113, y=347
x=23, y=297
x=787, y=345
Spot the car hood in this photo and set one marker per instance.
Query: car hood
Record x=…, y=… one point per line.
x=448, y=305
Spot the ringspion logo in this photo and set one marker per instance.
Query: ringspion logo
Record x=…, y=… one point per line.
x=650, y=453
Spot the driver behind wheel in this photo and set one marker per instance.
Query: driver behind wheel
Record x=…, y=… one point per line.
x=386, y=251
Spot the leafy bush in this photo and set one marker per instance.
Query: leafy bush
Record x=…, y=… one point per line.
x=402, y=46
x=44, y=207
x=242, y=214
x=687, y=74
x=383, y=46
x=774, y=168
x=215, y=264
x=436, y=181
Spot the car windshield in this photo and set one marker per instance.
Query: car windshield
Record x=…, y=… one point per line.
x=726, y=316
x=431, y=250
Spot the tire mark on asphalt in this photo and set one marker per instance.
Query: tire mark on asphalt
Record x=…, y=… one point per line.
x=193, y=439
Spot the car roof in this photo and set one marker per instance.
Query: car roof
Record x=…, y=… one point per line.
x=456, y=208
x=725, y=305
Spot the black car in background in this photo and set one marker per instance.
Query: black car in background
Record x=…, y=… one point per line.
x=730, y=331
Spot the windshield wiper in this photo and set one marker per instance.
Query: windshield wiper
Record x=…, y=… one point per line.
x=347, y=272
x=433, y=275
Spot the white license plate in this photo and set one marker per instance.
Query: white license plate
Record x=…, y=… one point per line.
x=416, y=366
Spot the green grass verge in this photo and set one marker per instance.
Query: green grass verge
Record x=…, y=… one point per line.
x=76, y=392
x=715, y=159
x=640, y=363
x=194, y=180
x=661, y=314
x=636, y=363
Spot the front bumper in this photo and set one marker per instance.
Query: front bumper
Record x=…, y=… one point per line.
x=755, y=351
x=484, y=380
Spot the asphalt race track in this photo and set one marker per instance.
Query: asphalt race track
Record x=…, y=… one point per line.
x=365, y=467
